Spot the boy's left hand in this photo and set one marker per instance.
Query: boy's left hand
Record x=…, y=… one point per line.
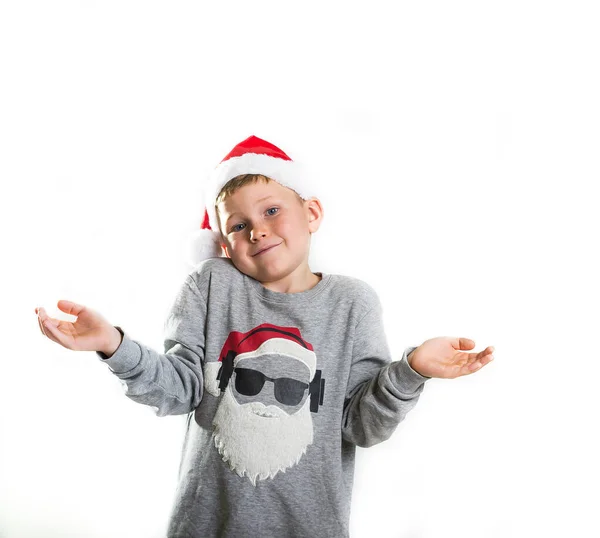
x=444, y=357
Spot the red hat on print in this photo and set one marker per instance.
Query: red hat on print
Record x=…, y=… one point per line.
x=265, y=339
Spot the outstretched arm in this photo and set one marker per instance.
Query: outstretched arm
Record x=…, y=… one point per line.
x=170, y=383
x=380, y=392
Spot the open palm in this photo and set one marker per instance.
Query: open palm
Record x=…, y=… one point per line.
x=89, y=332
x=446, y=357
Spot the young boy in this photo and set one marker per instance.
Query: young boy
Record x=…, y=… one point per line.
x=281, y=371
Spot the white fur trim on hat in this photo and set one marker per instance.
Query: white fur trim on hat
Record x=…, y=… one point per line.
x=287, y=173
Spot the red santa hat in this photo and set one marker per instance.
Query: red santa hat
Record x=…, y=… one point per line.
x=251, y=156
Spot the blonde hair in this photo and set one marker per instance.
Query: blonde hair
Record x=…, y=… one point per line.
x=237, y=183
x=245, y=179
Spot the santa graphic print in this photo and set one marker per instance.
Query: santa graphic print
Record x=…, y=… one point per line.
x=269, y=385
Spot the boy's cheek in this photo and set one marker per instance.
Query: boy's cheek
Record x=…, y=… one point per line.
x=232, y=250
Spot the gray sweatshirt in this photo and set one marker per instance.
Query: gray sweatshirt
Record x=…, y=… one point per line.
x=278, y=389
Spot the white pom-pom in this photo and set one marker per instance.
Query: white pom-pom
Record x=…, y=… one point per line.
x=202, y=245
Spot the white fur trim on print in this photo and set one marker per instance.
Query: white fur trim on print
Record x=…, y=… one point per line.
x=282, y=346
x=202, y=245
x=289, y=173
x=211, y=383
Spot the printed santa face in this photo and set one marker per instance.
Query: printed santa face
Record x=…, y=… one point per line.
x=263, y=424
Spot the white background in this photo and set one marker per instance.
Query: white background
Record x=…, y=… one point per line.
x=456, y=149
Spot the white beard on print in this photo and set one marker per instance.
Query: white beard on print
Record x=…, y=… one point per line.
x=260, y=446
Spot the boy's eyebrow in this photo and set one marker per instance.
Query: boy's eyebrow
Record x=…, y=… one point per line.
x=257, y=201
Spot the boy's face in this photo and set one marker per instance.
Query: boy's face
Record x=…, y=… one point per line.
x=266, y=232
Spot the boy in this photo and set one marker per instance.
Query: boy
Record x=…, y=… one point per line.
x=281, y=371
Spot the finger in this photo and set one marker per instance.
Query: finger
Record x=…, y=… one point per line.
x=487, y=350
x=41, y=326
x=45, y=317
x=40, y=319
x=476, y=365
x=54, y=333
x=46, y=327
x=487, y=359
x=485, y=356
x=46, y=331
x=471, y=368
x=481, y=354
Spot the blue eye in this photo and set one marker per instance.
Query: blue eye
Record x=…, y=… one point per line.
x=272, y=210
x=237, y=228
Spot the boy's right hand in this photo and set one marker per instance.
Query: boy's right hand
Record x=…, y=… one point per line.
x=90, y=332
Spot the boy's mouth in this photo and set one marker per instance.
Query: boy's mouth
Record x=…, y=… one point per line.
x=265, y=249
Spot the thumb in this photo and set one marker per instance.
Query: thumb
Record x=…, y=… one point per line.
x=70, y=307
x=464, y=343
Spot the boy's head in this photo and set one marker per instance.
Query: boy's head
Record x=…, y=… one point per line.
x=265, y=227
x=253, y=175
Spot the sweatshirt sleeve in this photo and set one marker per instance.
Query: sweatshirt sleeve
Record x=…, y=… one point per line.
x=170, y=383
x=380, y=391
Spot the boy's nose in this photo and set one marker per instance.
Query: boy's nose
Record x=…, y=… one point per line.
x=257, y=233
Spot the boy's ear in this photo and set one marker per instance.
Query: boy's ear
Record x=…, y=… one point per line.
x=315, y=214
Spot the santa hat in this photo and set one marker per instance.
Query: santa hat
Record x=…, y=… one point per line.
x=251, y=156
x=262, y=340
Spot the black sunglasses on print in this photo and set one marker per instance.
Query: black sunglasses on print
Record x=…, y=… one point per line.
x=288, y=391
x=316, y=388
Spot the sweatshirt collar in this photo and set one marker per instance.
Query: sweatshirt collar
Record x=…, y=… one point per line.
x=290, y=298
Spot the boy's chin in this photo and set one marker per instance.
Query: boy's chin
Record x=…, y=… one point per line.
x=262, y=275
x=246, y=271
x=270, y=279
